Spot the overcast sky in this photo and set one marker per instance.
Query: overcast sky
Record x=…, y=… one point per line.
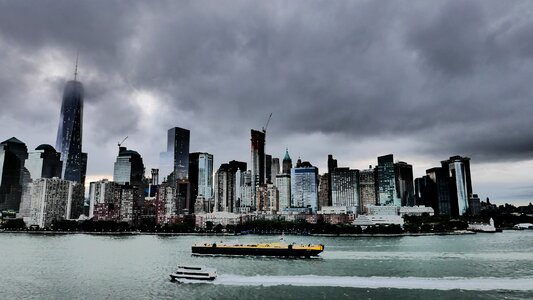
x=423, y=80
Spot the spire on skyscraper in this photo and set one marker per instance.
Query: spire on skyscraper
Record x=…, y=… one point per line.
x=76, y=68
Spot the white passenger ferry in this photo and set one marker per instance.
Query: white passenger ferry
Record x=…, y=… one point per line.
x=194, y=273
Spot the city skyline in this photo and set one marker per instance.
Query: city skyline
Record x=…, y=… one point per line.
x=390, y=91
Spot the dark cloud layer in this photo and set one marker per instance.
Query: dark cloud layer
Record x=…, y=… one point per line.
x=439, y=77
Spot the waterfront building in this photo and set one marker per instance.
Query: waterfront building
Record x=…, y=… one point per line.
x=201, y=175
x=258, y=159
x=13, y=174
x=287, y=162
x=70, y=132
x=51, y=200
x=367, y=188
x=175, y=160
x=129, y=167
x=416, y=210
x=391, y=210
x=44, y=162
x=304, y=186
x=386, y=181
x=220, y=218
x=403, y=179
x=345, y=187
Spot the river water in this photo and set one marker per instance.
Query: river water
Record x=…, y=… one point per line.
x=481, y=266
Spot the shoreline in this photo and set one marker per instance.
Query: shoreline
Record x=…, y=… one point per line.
x=136, y=233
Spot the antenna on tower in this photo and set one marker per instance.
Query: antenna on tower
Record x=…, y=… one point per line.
x=76, y=69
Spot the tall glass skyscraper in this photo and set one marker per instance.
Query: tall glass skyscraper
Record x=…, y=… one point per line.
x=258, y=159
x=69, y=133
x=201, y=175
x=176, y=159
x=386, y=181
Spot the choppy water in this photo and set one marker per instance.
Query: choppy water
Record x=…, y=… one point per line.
x=482, y=266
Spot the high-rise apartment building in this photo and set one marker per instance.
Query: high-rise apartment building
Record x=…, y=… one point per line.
x=51, y=200
x=367, y=188
x=283, y=183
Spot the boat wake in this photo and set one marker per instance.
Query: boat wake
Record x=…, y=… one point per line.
x=378, y=255
x=445, y=283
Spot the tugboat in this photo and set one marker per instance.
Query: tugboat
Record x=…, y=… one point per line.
x=280, y=249
x=194, y=273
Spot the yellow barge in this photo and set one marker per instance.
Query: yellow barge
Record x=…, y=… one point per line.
x=263, y=249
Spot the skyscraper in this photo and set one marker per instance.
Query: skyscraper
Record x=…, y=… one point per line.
x=332, y=165
x=226, y=186
x=403, y=176
x=345, y=188
x=176, y=159
x=268, y=169
x=283, y=183
x=44, y=162
x=13, y=154
x=129, y=167
x=258, y=159
x=386, y=181
x=304, y=186
x=69, y=132
x=367, y=192
x=457, y=169
x=201, y=175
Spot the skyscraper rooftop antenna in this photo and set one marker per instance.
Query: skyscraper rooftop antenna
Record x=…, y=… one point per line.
x=76, y=68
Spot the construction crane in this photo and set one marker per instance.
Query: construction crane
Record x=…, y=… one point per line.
x=120, y=143
x=268, y=121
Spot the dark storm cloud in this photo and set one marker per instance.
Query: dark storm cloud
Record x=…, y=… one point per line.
x=449, y=76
